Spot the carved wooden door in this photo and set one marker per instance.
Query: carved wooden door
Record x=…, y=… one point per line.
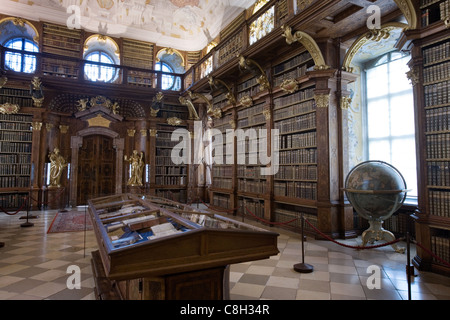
x=96, y=168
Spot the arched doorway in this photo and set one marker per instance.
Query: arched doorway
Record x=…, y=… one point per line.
x=96, y=168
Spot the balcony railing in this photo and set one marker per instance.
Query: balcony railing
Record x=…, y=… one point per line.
x=72, y=69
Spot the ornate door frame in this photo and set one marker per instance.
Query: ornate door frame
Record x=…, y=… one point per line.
x=76, y=143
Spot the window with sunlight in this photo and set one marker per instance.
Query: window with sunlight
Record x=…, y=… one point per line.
x=168, y=81
x=99, y=72
x=390, y=116
x=21, y=61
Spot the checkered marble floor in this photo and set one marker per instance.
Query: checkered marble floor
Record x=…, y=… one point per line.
x=34, y=264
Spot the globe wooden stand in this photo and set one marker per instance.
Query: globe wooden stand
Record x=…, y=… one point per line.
x=376, y=232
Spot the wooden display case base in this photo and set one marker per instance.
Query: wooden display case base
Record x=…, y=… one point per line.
x=209, y=284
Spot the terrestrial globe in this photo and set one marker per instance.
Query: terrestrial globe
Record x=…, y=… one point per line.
x=375, y=189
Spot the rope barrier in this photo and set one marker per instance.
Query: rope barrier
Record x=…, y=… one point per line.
x=18, y=210
x=431, y=253
x=353, y=247
x=270, y=222
x=27, y=198
x=349, y=246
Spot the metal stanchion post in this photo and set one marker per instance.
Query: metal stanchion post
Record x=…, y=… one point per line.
x=303, y=267
x=408, y=266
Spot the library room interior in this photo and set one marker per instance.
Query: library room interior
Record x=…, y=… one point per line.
x=225, y=150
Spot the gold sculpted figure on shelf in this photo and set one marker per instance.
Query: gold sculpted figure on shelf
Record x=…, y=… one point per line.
x=57, y=164
x=137, y=166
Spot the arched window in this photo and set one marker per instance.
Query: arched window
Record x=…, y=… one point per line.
x=100, y=53
x=99, y=72
x=167, y=80
x=21, y=61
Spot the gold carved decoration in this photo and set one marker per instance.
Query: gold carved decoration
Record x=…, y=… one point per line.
x=143, y=133
x=210, y=110
x=408, y=10
x=98, y=121
x=131, y=132
x=214, y=83
x=37, y=94
x=232, y=124
x=252, y=65
x=267, y=114
x=373, y=35
x=37, y=126
x=157, y=103
x=345, y=103
x=9, y=108
x=289, y=85
x=322, y=100
x=309, y=43
x=63, y=128
x=174, y=121
x=153, y=132
x=98, y=101
x=246, y=101
x=49, y=126
x=413, y=76
x=188, y=103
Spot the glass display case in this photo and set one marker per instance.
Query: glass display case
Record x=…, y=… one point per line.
x=154, y=248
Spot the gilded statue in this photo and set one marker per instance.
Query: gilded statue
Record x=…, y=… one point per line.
x=137, y=166
x=57, y=165
x=36, y=92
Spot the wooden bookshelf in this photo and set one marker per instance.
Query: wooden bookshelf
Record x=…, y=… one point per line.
x=431, y=60
x=170, y=180
x=15, y=159
x=20, y=97
x=61, y=41
x=433, y=11
x=138, y=54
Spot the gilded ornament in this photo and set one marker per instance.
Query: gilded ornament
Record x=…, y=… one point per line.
x=37, y=94
x=289, y=85
x=63, y=128
x=309, y=43
x=246, y=101
x=267, y=114
x=191, y=108
x=37, y=126
x=214, y=83
x=322, y=100
x=131, y=132
x=345, y=103
x=82, y=104
x=9, y=108
x=413, y=76
x=174, y=121
x=215, y=113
